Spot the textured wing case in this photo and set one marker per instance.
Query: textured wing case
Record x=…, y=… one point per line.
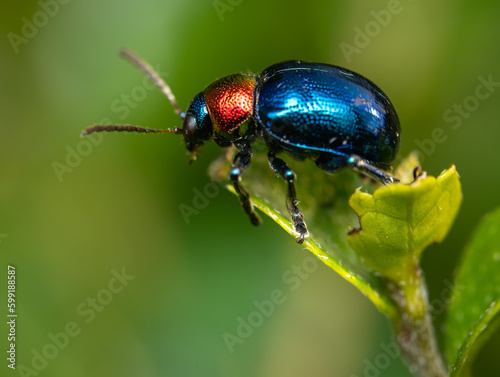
x=324, y=108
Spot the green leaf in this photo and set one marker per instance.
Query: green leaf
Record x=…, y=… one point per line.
x=381, y=301
x=324, y=201
x=399, y=221
x=475, y=303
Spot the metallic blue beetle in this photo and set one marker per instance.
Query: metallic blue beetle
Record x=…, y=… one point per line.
x=309, y=110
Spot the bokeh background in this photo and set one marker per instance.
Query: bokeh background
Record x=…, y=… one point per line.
x=69, y=220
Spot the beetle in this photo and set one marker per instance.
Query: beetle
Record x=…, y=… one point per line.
x=315, y=111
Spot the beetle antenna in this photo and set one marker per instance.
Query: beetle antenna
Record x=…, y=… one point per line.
x=127, y=128
x=153, y=75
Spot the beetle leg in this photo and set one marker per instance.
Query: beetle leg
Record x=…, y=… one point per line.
x=241, y=161
x=281, y=168
x=362, y=166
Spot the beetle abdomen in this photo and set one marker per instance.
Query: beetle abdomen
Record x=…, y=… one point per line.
x=319, y=107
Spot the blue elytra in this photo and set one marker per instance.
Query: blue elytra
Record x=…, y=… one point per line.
x=329, y=114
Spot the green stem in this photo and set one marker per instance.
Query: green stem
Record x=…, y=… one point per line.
x=414, y=329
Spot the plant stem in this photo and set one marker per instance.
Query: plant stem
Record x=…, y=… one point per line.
x=413, y=325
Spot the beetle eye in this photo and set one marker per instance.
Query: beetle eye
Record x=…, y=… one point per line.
x=189, y=126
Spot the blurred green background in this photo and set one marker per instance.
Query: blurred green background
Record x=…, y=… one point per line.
x=116, y=206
